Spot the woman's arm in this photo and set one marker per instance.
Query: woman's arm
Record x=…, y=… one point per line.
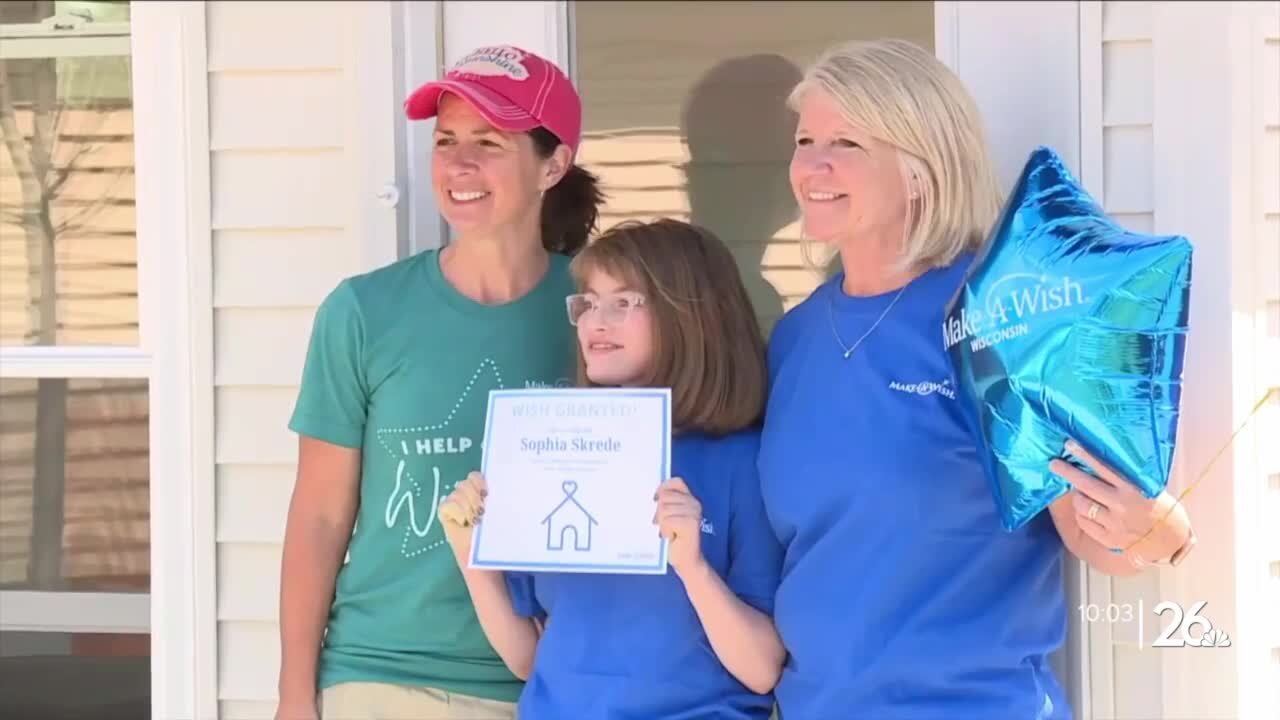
x=1105, y=512
x=321, y=514
x=515, y=638
x=744, y=638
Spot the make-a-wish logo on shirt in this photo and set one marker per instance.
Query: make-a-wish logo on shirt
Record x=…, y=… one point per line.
x=926, y=387
x=707, y=527
x=544, y=385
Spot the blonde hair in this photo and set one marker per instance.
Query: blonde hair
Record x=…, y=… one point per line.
x=904, y=96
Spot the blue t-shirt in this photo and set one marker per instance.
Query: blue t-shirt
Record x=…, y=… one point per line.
x=631, y=647
x=901, y=594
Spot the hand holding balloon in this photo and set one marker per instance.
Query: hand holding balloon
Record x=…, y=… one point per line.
x=1069, y=326
x=1114, y=513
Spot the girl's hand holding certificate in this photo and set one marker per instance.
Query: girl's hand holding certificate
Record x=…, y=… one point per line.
x=679, y=521
x=461, y=510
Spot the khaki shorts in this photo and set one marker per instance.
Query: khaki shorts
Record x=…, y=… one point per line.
x=383, y=701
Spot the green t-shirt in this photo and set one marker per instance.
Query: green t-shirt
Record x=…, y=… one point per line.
x=400, y=365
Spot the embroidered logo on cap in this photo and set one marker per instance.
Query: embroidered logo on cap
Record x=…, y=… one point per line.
x=492, y=61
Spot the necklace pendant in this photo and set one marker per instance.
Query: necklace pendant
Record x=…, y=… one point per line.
x=832, y=317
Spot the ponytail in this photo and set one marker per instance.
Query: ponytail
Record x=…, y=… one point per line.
x=571, y=208
x=569, y=212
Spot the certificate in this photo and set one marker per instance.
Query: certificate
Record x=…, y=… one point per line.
x=571, y=475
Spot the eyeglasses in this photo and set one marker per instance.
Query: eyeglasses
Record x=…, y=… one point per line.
x=614, y=309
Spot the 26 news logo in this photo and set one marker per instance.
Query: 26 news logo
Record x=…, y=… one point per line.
x=1180, y=627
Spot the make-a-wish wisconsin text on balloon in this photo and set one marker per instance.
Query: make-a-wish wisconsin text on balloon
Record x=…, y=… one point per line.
x=1069, y=326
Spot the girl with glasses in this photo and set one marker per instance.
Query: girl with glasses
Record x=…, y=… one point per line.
x=660, y=305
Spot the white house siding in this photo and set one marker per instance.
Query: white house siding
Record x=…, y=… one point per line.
x=1264, y=147
x=292, y=159
x=1157, y=79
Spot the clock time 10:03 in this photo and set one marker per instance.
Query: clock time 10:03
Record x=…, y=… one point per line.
x=1180, y=627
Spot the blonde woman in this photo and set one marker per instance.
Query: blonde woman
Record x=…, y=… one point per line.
x=901, y=594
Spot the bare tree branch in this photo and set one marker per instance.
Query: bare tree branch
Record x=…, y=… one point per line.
x=23, y=163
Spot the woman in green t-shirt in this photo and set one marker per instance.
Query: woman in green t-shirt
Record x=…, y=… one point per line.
x=390, y=410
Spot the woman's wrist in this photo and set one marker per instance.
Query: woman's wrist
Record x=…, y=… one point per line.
x=297, y=685
x=1167, y=545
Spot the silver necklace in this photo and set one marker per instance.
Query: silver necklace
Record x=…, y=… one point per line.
x=831, y=313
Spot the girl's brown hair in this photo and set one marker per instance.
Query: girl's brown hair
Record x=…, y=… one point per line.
x=707, y=344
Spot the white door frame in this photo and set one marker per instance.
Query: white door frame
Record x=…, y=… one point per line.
x=1255, y=353
x=419, y=55
x=171, y=131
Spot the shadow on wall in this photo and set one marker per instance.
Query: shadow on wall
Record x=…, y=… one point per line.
x=740, y=133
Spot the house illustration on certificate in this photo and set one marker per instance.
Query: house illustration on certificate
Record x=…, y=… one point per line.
x=569, y=518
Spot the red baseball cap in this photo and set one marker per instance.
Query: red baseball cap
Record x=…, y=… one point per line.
x=513, y=89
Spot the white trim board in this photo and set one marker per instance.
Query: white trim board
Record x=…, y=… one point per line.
x=42, y=40
x=1252, y=371
x=175, y=270
x=946, y=33
x=63, y=361
x=538, y=27
x=33, y=610
x=1093, y=689
x=419, y=58
x=371, y=128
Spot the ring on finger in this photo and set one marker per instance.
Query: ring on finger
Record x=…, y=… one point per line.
x=1093, y=511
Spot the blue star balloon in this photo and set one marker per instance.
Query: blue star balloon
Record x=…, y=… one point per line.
x=1069, y=326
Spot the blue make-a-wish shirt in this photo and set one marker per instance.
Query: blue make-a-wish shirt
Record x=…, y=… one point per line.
x=902, y=597
x=631, y=647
